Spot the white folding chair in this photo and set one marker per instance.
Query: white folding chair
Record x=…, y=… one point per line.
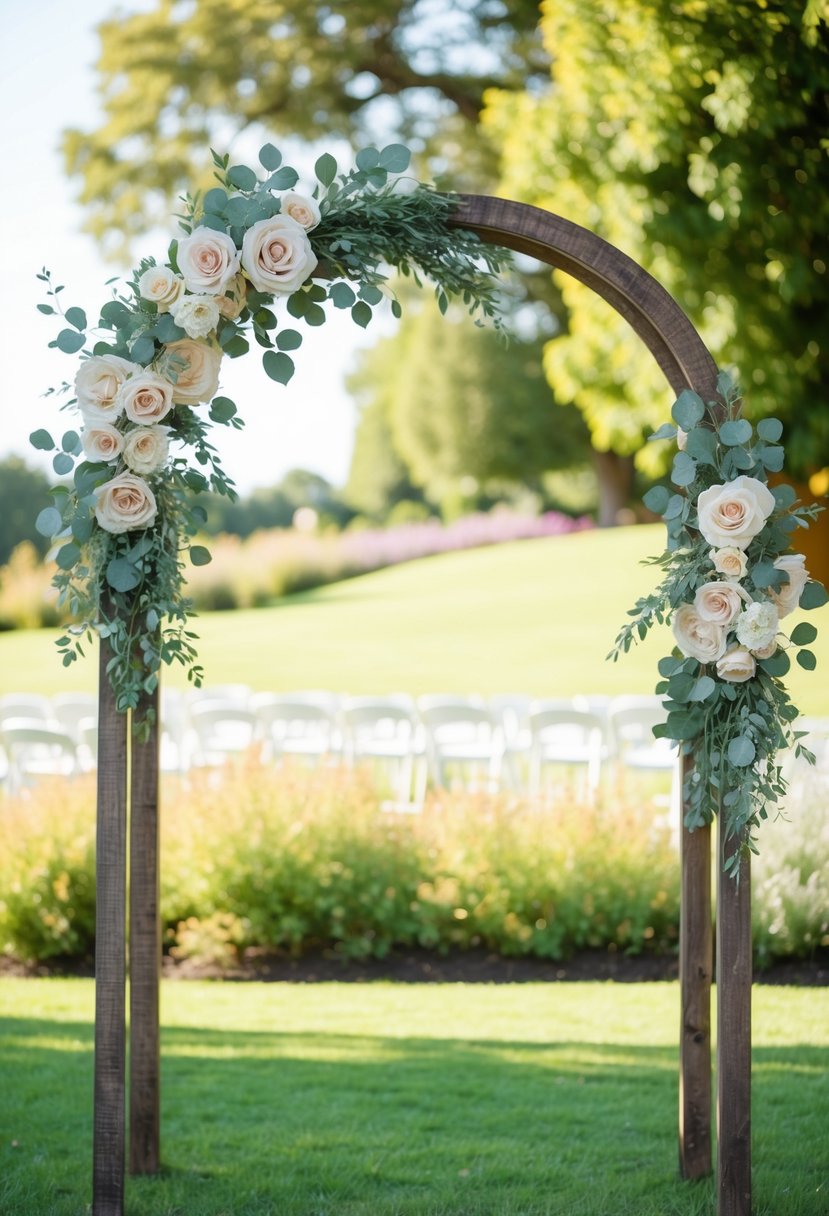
x=464, y=742
x=221, y=730
x=631, y=721
x=302, y=726
x=30, y=706
x=387, y=732
x=72, y=708
x=35, y=750
x=513, y=712
x=563, y=737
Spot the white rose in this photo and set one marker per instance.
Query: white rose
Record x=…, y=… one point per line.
x=299, y=207
x=730, y=561
x=146, y=398
x=124, y=503
x=733, y=514
x=194, y=368
x=198, y=316
x=737, y=665
x=146, y=448
x=787, y=597
x=696, y=638
x=161, y=285
x=719, y=601
x=757, y=626
x=102, y=442
x=97, y=384
x=277, y=256
x=208, y=260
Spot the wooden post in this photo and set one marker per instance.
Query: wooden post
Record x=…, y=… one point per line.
x=695, y=970
x=145, y=950
x=110, y=952
x=733, y=1032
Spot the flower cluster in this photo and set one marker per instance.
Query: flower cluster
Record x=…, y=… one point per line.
x=731, y=577
x=250, y=247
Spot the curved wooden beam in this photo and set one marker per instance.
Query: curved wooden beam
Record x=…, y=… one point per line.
x=636, y=295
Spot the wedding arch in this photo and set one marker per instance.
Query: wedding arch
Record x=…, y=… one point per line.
x=160, y=359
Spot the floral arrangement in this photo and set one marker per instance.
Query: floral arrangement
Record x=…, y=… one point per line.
x=730, y=579
x=253, y=252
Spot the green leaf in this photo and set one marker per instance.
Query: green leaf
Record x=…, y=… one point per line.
x=784, y=496
x=270, y=157
x=76, y=317
x=115, y=314
x=666, y=431
x=42, y=440
x=668, y=665
x=770, y=429
x=741, y=752
x=684, y=469
x=367, y=158
x=166, y=330
x=766, y=574
x=46, y=309
x=804, y=633
x=685, y=723
x=236, y=346
x=122, y=575
x=773, y=458
x=341, y=295
x=70, y=341
x=49, y=522
x=215, y=200
x=688, y=410
x=63, y=463
x=143, y=349
x=315, y=314
x=702, y=689
x=778, y=665
x=222, y=409
x=813, y=595
x=702, y=445
x=361, y=313
x=676, y=507
x=68, y=555
x=807, y=660
x=395, y=158
x=298, y=301
x=372, y=294
x=656, y=499
x=284, y=179
x=288, y=339
x=735, y=432
x=326, y=169
x=200, y=556
x=71, y=442
x=279, y=366
x=242, y=178
x=82, y=528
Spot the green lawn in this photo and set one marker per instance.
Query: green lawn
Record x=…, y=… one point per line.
x=535, y=616
x=408, y=1100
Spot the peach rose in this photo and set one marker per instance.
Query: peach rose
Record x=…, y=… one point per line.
x=208, y=260
x=697, y=638
x=124, y=503
x=731, y=515
x=730, y=561
x=194, y=368
x=233, y=301
x=299, y=207
x=787, y=597
x=102, y=442
x=719, y=601
x=97, y=384
x=737, y=665
x=146, y=398
x=277, y=256
x=161, y=285
x=146, y=448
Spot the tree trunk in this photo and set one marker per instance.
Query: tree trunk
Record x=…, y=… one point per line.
x=615, y=477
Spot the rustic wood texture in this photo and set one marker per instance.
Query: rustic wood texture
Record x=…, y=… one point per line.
x=695, y=971
x=733, y=1033
x=109, y=1118
x=145, y=950
x=683, y=357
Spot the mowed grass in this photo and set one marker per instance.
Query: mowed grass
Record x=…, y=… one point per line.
x=534, y=616
x=408, y=1100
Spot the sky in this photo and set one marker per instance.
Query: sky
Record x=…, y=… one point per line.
x=47, y=84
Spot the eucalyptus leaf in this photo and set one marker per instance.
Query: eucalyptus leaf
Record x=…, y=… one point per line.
x=666, y=431
x=778, y=665
x=656, y=499
x=237, y=346
x=122, y=575
x=735, y=432
x=395, y=158
x=703, y=688
x=326, y=169
x=68, y=555
x=288, y=339
x=70, y=341
x=807, y=660
x=741, y=751
x=42, y=440
x=63, y=463
x=367, y=158
x=341, y=295
x=242, y=178
x=684, y=470
x=49, y=522
x=688, y=409
x=701, y=444
x=279, y=366
x=315, y=314
x=143, y=349
x=813, y=595
x=200, y=556
x=361, y=313
x=76, y=317
x=284, y=179
x=804, y=633
x=222, y=409
x=770, y=429
x=71, y=442
x=215, y=200
x=773, y=458
x=270, y=157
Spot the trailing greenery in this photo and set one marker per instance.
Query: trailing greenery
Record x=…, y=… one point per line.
x=729, y=577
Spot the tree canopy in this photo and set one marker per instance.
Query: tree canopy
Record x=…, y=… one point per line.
x=24, y=492
x=694, y=137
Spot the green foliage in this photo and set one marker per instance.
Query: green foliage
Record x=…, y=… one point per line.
x=708, y=169
x=24, y=493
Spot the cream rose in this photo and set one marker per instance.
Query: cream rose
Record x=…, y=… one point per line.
x=97, y=384
x=731, y=515
x=233, y=301
x=757, y=626
x=161, y=285
x=146, y=397
x=730, y=561
x=208, y=260
x=194, y=367
x=146, y=448
x=277, y=256
x=299, y=207
x=198, y=316
x=102, y=442
x=124, y=503
x=737, y=665
x=719, y=601
x=697, y=638
x=787, y=597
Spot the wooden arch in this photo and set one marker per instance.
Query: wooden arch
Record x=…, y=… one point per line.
x=678, y=349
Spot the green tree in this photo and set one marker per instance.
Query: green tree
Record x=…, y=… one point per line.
x=24, y=492
x=693, y=136
x=180, y=77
